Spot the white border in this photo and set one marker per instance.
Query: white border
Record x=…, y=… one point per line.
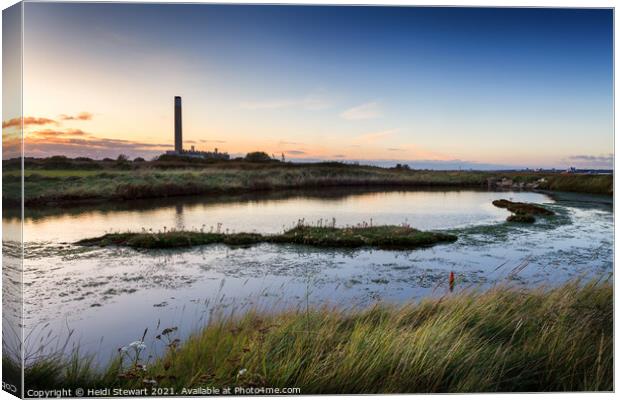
x=461, y=3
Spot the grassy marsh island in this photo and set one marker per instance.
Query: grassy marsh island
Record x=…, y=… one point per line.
x=384, y=237
x=503, y=339
x=522, y=212
x=64, y=180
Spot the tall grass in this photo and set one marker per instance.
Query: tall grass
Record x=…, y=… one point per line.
x=502, y=339
x=595, y=184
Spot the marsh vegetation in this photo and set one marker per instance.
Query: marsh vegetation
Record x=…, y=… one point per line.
x=502, y=339
x=70, y=180
x=383, y=237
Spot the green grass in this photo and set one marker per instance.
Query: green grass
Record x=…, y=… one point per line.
x=152, y=180
x=594, y=184
x=57, y=173
x=499, y=340
x=386, y=236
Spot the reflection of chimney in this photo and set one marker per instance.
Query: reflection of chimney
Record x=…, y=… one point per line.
x=178, y=129
x=179, y=217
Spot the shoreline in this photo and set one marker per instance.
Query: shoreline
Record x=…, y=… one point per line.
x=53, y=187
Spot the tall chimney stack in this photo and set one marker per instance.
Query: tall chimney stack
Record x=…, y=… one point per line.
x=178, y=128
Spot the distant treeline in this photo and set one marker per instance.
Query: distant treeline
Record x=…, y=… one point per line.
x=255, y=158
x=123, y=162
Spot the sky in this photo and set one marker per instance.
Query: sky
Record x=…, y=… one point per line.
x=436, y=87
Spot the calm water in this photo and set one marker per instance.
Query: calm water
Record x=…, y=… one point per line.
x=109, y=296
x=422, y=209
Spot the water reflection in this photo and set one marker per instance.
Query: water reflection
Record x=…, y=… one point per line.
x=271, y=213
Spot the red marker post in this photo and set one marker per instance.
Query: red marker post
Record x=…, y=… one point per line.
x=451, y=280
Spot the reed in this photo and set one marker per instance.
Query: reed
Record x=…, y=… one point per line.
x=503, y=339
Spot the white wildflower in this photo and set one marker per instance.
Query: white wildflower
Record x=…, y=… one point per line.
x=138, y=344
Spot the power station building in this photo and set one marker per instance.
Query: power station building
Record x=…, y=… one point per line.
x=178, y=125
x=178, y=138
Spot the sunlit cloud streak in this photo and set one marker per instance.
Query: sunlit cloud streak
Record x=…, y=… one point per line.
x=52, y=133
x=83, y=116
x=16, y=122
x=363, y=111
x=89, y=146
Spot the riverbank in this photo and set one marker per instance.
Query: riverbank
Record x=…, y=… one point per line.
x=45, y=186
x=382, y=237
x=500, y=340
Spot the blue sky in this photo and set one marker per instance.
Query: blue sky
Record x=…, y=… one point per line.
x=475, y=86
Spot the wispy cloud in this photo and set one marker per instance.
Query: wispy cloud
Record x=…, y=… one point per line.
x=43, y=142
x=313, y=101
x=295, y=152
x=605, y=161
x=363, y=111
x=77, y=143
x=83, y=116
x=374, y=136
x=212, y=141
x=600, y=158
x=395, y=149
x=15, y=122
x=50, y=133
x=339, y=156
x=104, y=143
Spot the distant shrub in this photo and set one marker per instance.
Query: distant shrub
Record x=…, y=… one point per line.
x=58, y=162
x=258, y=156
